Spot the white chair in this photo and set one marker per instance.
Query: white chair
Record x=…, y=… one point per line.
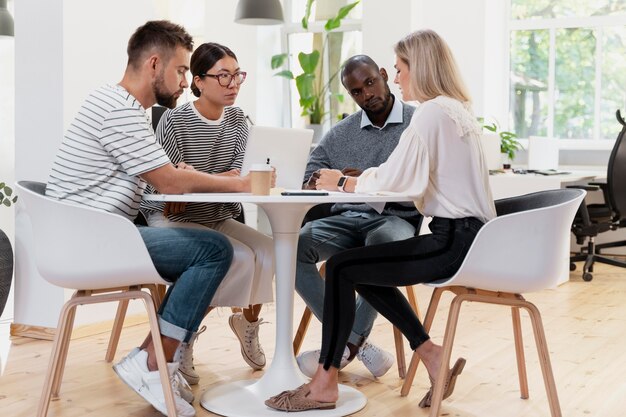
x=517, y=252
x=102, y=256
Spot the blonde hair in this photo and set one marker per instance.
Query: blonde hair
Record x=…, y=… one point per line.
x=432, y=67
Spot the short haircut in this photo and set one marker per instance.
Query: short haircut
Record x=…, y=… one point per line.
x=357, y=61
x=433, y=70
x=160, y=36
x=204, y=58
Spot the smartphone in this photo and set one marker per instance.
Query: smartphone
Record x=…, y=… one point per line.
x=304, y=192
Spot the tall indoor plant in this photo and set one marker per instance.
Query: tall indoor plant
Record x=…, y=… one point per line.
x=313, y=90
x=6, y=252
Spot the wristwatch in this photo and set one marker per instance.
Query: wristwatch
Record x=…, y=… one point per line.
x=342, y=183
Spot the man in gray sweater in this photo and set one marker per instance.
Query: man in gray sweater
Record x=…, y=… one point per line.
x=362, y=140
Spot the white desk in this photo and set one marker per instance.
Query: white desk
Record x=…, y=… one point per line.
x=510, y=185
x=246, y=398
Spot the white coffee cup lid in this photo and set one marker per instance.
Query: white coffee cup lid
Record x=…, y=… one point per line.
x=260, y=167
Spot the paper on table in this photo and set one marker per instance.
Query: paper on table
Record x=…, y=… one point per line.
x=379, y=207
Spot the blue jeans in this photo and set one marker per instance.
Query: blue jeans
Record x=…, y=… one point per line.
x=195, y=261
x=320, y=239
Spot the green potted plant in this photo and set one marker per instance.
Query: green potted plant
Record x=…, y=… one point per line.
x=509, y=144
x=6, y=252
x=313, y=90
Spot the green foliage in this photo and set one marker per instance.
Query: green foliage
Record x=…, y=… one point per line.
x=6, y=195
x=575, y=99
x=508, y=140
x=313, y=92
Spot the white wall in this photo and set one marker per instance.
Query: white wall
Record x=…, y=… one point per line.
x=38, y=129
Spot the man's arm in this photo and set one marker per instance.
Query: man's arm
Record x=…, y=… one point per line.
x=168, y=180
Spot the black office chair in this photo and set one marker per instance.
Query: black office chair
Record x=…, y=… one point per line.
x=593, y=219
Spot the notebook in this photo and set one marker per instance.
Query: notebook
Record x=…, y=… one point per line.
x=287, y=150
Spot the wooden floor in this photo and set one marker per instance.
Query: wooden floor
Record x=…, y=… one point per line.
x=585, y=325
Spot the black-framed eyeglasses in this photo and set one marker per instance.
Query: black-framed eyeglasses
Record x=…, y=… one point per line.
x=225, y=79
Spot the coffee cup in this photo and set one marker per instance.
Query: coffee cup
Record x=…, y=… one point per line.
x=260, y=179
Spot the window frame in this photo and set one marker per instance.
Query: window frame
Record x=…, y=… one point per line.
x=295, y=27
x=596, y=23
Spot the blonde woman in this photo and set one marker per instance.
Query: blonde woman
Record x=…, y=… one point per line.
x=440, y=162
x=210, y=135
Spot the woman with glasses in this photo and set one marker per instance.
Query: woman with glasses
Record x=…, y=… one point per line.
x=210, y=135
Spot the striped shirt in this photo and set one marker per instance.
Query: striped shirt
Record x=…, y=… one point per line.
x=211, y=146
x=108, y=145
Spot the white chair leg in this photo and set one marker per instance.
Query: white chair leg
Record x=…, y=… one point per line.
x=519, y=353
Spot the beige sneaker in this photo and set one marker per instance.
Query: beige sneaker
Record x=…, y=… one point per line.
x=184, y=355
x=376, y=360
x=248, y=335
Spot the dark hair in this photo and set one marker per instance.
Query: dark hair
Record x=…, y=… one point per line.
x=356, y=61
x=157, y=36
x=204, y=58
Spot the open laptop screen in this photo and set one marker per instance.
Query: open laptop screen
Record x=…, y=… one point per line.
x=287, y=150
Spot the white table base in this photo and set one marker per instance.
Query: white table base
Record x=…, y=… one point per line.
x=247, y=398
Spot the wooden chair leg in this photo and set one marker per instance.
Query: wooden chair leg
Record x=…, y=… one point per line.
x=410, y=293
x=544, y=359
x=158, y=349
x=415, y=359
x=55, y=357
x=306, y=319
x=65, y=345
x=519, y=353
x=302, y=328
x=448, y=341
x=398, y=337
x=400, y=358
x=122, y=307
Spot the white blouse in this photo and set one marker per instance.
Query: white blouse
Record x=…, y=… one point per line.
x=439, y=162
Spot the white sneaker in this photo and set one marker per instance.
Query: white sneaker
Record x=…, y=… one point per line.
x=310, y=360
x=133, y=370
x=248, y=335
x=184, y=355
x=376, y=360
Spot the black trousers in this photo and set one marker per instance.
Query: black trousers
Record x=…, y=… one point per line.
x=376, y=272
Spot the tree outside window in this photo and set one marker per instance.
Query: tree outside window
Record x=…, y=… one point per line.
x=568, y=72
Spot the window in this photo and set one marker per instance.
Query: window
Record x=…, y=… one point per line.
x=341, y=43
x=568, y=73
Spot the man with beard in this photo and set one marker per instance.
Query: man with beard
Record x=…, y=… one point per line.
x=107, y=156
x=362, y=140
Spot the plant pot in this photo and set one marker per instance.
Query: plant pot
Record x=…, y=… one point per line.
x=6, y=269
x=318, y=132
x=506, y=161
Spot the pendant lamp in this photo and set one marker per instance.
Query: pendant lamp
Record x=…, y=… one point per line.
x=259, y=12
x=6, y=20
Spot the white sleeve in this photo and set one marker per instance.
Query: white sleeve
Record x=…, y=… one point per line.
x=406, y=170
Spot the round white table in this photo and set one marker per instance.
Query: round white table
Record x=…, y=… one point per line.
x=285, y=213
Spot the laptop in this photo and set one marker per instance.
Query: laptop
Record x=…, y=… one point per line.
x=287, y=150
